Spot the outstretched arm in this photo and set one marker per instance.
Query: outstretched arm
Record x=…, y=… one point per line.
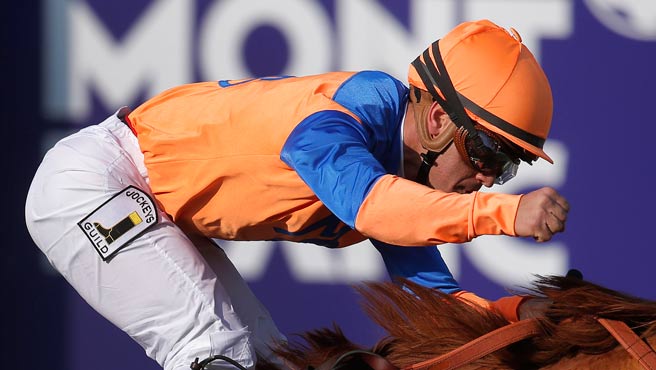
x=421, y=265
x=425, y=266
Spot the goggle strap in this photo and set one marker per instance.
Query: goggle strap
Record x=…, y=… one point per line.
x=446, y=86
x=443, y=81
x=427, y=79
x=501, y=123
x=428, y=160
x=431, y=77
x=459, y=141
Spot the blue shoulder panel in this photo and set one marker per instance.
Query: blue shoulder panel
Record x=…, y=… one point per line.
x=331, y=152
x=340, y=158
x=379, y=100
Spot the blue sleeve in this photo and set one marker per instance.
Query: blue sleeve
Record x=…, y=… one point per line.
x=341, y=159
x=329, y=151
x=421, y=265
x=379, y=100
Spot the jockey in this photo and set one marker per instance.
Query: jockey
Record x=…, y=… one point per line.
x=126, y=210
x=486, y=90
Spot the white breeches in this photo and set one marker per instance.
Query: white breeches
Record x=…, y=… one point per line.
x=179, y=299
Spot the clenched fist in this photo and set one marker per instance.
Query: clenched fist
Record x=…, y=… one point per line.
x=541, y=214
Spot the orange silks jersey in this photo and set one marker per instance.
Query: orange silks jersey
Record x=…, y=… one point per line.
x=310, y=159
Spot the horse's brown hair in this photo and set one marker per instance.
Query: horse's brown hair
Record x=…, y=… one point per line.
x=423, y=323
x=570, y=322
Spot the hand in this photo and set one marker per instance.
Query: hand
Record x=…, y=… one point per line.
x=533, y=307
x=541, y=214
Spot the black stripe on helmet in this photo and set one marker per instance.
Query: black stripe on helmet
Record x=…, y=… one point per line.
x=501, y=123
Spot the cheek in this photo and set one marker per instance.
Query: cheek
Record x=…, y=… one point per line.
x=453, y=176
x=452, y=173
x=444, y=178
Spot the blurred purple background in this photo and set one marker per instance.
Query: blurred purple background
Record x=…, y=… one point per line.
x=67, y=64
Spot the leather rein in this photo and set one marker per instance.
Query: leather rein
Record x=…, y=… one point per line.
x=481, y=347
x=632, y=343
x=506, y=336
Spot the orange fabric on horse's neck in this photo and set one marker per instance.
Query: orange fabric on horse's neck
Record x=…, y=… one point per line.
x=508, y=307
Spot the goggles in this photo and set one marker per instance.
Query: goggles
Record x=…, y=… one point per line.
x=487, y=153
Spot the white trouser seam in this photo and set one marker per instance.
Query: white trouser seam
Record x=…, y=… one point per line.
x=197, y=290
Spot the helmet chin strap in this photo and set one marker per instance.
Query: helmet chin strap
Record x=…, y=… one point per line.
x=435, y=147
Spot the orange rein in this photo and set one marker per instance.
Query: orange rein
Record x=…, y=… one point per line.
x=481, y=346
x=524, y=329
x=633, y=344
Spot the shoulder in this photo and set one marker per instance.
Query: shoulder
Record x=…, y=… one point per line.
x=374, y=96
x=371, y=85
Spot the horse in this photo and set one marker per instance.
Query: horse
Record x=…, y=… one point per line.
x=422, y=324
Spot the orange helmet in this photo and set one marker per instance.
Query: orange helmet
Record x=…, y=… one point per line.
x=496, y=79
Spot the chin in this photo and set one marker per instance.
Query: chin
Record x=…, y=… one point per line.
x=466, y=189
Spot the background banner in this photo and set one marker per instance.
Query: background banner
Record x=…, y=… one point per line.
x=68, y=64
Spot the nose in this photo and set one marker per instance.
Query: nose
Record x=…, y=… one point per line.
x=487, y=180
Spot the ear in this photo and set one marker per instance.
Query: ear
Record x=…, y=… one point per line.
x=437, y=130
x=437, y=120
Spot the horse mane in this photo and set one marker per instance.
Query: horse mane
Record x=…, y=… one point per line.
x=570, y=323
x=423, y=323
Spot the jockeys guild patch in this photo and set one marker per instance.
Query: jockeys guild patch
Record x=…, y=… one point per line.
x=119, y=220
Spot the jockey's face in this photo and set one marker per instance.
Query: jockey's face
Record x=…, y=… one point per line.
x=452, y=174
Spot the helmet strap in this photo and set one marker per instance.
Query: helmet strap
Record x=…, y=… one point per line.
x=435, y=145
x=431, y=77
x=428, y=160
